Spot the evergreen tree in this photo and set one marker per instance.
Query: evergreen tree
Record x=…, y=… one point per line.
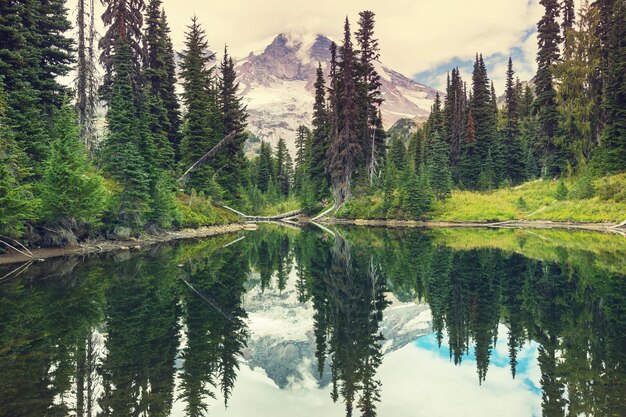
x=199, y=128
x=70, y=194
x=122, y=18
x=233, y=120
x=513, y=149
x=283, y=160
x=370, y=97
x=320, y=137
x=577, y=101
x=470, y=158
x=127, y=144
x=454, y=120
x=344, y=148
x=545, y=103
x=303, y=139
x=438, y=168
x=613, y=142
x=160, y=74
x=265, y=165
x=17, y=204
x=35, y=52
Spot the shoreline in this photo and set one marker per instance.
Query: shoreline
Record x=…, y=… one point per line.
x=105, y=245
x=509, y=224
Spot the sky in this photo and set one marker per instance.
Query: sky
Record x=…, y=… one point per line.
x=423, y=39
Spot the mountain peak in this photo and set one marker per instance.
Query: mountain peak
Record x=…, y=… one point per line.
x=278, y=86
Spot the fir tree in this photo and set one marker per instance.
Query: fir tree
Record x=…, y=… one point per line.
x=370, y=97
x=233, y=120
x=438, y=168
x=17, y=204
x=282, y=167
x=70, y=194
x=612, y=155
x=126, y=147
x=454, y=120
x=344, y=148
x=35, y=52
x=513, y=149
x=319, y=137
x=160, y=73
x=545, y=102
x=198, y=129
x=265, y=165
x=122, y=18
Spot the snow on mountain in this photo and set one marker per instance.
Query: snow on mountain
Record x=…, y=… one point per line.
x=278, y=87
x=282, y=342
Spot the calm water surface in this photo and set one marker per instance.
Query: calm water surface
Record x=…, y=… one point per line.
x=282, y=322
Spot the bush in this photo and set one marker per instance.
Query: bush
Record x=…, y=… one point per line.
x=583, y=187
x=561, y=191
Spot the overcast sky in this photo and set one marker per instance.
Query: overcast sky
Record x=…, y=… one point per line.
x=422, y=39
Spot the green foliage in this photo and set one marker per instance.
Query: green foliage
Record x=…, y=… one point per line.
x=583, y=187
x=70, y=192
x=561, y=191
x=438, y=168
x=17, y=204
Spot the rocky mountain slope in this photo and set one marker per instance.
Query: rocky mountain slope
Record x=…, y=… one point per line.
x=277, y=86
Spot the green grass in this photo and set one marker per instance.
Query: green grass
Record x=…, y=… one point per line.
x=533, y=200
x=270, y=209
x=196, y=211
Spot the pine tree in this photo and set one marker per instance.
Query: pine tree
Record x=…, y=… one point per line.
x=513, y=149
x=344, y=148
x=370, y=96
x=545, y=102
x=613, y=142
x=70, y=194
x=122, y=18
x=282, y=167
x=35, y=52
x=320, y=137
x=17, y=204
x=160, y=73
x=126, y=146
x=470, y=163
x=454, y=120
x=438, y=168
x=198, y=129
x=233, y=120
x=265, y=165
x=303, y=139
x=577, y=101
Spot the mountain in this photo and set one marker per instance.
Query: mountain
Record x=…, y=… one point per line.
x=278, y=87
x=282, y=343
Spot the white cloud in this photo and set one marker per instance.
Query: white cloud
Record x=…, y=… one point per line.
x=415, y=35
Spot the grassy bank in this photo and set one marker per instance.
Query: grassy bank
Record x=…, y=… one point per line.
x=535, y=200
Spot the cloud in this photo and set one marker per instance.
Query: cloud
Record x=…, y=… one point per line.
x=416, y=36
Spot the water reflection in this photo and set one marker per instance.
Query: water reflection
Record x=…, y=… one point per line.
x=165, y=332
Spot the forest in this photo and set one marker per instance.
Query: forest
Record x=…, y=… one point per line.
x=164, y=159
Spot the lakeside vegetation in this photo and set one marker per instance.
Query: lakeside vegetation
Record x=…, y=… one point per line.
x=167, y=160
x=604, y=201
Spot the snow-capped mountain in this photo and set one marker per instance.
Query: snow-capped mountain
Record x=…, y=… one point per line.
x=282, y=342
x=278, y=87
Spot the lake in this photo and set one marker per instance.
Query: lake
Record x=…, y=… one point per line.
x=300, y=322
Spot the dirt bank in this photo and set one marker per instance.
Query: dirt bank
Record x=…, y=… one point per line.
x=99, y=246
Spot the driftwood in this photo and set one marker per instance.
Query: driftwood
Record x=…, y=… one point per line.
x=283, y=216
x=210, y=154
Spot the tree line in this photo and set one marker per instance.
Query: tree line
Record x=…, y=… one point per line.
x=64, y=175
x=568, y=120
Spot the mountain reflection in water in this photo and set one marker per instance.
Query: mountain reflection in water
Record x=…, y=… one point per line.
x=298, y=322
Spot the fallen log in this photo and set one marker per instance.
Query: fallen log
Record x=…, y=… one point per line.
x=210, y=154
